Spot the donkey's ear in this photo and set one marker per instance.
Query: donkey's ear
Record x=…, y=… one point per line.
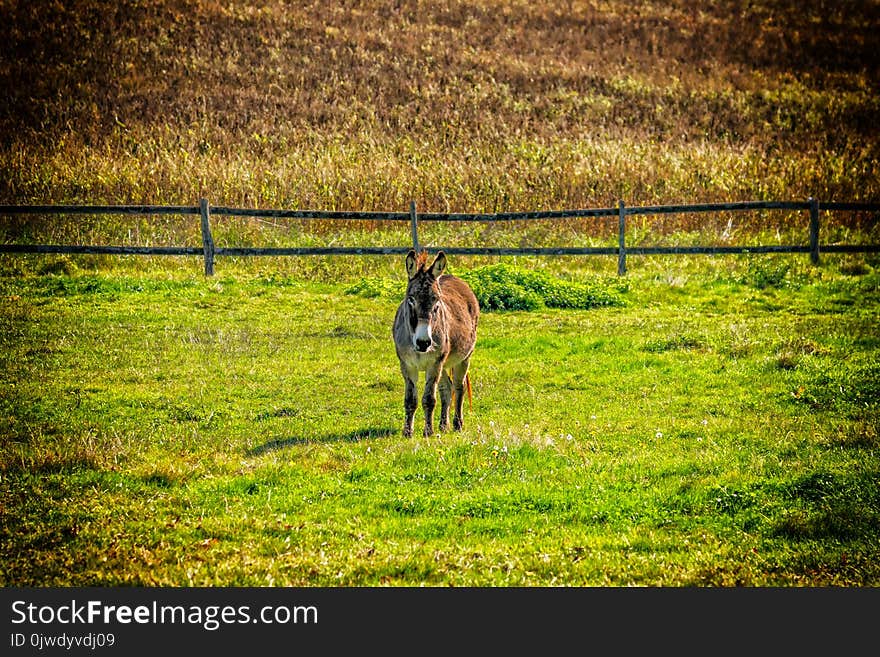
x=411, y=267
x=438, y=265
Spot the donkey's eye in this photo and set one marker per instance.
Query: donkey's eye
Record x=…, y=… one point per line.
x=411, y=302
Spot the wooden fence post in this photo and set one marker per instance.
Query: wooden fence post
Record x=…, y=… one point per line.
x=814, y=231
x=621, y=242
x=414, y=225
x=207, y=239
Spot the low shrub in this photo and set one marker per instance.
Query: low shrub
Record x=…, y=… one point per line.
x=506, y=287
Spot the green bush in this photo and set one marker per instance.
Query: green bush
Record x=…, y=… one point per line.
x=494, y=295
x=505, y=287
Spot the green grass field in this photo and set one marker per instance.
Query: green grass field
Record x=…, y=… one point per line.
x=717, y=428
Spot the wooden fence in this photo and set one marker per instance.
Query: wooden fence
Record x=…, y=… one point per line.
x=208, y=250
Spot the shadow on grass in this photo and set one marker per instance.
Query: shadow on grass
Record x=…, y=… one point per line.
x=351, y=437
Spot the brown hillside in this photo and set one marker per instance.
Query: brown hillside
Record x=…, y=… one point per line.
x=458, y=104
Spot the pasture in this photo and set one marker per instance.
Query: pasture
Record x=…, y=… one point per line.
x=717, y=428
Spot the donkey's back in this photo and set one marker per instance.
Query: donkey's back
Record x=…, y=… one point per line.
x=462, y=318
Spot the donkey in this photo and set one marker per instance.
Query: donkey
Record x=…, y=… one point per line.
x=435, y=331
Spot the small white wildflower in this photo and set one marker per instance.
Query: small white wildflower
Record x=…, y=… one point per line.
x=659, y=434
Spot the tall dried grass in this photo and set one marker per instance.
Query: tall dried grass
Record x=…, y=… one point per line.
x=461, y=106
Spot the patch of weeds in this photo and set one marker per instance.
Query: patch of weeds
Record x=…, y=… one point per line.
x=777, y=273
x=186, y=413
x=791, y=352
x=505, y=287
x=498, y=296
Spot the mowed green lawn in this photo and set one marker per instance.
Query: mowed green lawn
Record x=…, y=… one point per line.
x=719, y=429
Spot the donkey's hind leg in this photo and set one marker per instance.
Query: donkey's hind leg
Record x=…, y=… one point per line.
x=458, y=376
x=410, y=399
x=445, y=388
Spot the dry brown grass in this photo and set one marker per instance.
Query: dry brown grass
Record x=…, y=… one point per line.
x=462, y=106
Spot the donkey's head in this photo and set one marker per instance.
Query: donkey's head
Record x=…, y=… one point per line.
x=423, y=296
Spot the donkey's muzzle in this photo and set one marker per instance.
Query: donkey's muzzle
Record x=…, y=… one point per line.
x=422, y=336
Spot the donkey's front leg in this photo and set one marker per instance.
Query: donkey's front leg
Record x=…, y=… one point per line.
x=429, y=398
x=410, y=400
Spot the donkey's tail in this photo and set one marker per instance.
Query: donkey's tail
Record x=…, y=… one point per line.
x=467, y=381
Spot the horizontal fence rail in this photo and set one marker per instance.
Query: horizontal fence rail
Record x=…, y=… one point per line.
x=209, y=250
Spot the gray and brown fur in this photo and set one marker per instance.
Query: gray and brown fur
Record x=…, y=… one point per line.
x=435, y=331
